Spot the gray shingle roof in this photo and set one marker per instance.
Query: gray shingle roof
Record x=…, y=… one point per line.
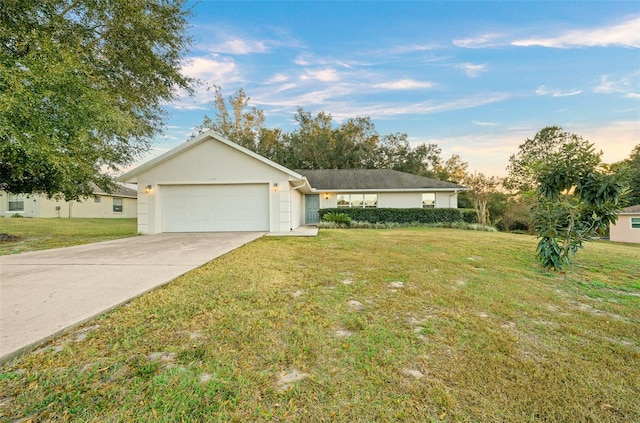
x=371, y=179
x=632, y=209
x=120, y=191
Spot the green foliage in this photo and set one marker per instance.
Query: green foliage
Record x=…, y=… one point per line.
x=319, y=143
x=516, y=216
x=631, y=167
x=241, y=124
x=338, y=218
x=523, y=168
x=82, y=88
x=482, y=188
x=575, y=200
x=388, y=215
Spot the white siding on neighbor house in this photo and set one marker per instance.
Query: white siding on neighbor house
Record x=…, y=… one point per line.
x=214, y=163
x=215, y=208
x=42, y=207
x=622, y=231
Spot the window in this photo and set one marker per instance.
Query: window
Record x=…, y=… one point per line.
x=343, y=200
x=96, y=199
x=117, y=205
x=428, y=200
x=371, y=200
x=635, y=223
x=16, y=203
x=357, y=200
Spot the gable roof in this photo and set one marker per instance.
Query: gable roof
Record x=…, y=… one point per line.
x=631, y=210
x=131, y=176
x=374, y=180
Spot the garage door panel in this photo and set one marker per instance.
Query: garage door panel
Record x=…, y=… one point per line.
x=215, y=208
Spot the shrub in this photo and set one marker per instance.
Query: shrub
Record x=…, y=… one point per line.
x=388, y=215
x=338, y=218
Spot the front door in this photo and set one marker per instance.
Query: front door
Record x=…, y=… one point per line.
x=311, y=209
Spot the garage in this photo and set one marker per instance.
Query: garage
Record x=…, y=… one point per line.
x=215, y=208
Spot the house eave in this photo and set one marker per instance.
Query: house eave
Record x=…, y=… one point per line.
x=386, y=190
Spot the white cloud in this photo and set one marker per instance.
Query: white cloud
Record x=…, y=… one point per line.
x=324, y=75
x=209, y=68
x=388, y=109
x=209, y=71
x=486, y=40
x=404, y=84
x=627, y=85
x=277, y=78
x=626, y=34
x=472, y=70
x=239, y=46
x=485, y=123
x=412, y=48
x=542, y=90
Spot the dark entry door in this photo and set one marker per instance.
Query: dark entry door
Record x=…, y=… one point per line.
x=311, y=209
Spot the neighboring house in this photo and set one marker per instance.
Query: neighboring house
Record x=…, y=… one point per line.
x=627, y=227
x=210, y=184
x=120, y=204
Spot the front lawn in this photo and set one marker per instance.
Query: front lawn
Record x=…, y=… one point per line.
x=26, y=234
x=419, y=325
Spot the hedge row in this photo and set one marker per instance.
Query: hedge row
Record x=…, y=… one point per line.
x=380, y=215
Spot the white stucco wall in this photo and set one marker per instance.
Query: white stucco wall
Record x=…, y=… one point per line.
x=446, y=200
x=622, y=231
x=297, y=209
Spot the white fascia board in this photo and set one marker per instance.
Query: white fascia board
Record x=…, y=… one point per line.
x=305, y=187
x=394, y=190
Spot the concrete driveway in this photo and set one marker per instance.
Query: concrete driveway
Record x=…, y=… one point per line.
x=45, y=293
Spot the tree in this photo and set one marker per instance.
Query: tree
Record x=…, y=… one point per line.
x=482, y=187
x=523, y=167
x=82, y=88
x=234, y=119
x=319, y=143
x=576, y=197
x=631, y=166
x=453, y=170
x=395, y=152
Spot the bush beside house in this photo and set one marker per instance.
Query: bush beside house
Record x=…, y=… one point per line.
x=389, y=215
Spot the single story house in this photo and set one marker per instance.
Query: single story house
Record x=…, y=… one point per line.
x=121, y=203
x=210, y=184
x=627, y=227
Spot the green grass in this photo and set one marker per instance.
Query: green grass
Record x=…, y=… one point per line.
x=42, y=234
x=452, y=326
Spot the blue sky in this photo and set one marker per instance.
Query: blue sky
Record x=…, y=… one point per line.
x=476, y=78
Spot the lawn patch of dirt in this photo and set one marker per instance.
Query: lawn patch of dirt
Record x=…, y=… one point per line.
x=5, y=237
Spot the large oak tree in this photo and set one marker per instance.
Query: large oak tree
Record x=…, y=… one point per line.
x=82, y=88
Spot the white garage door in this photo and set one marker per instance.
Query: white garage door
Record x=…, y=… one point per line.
x=215, y=208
